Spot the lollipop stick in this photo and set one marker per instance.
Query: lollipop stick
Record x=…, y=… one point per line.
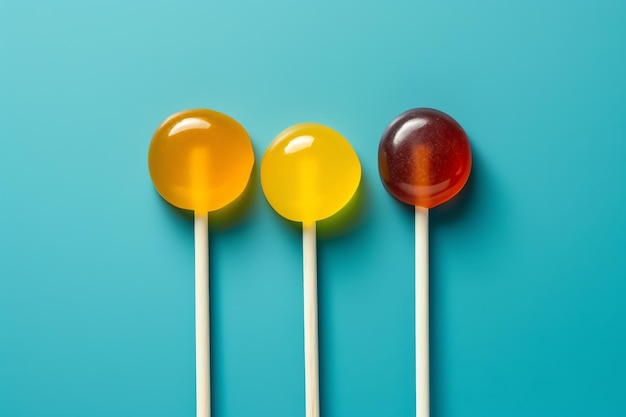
x=203, y=382
x=311, y=365
x=422, y=386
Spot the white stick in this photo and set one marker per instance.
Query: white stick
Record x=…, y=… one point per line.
x=422, y=385
x=311, y=361
x=203, y=362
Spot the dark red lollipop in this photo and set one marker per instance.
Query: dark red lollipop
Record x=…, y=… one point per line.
x=424, y=157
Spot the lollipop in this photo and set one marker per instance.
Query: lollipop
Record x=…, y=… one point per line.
x=308, y=173
x=201, y=160
x=424, y=159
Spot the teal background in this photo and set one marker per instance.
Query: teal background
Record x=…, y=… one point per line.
x=527, y=264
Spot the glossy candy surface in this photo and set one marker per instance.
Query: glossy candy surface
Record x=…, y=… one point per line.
x=309, y=172
x=200, y=160
x=424, y=157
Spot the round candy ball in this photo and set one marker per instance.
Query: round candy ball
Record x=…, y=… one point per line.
x=200, y=160
x=424, y=157
x=309, y=172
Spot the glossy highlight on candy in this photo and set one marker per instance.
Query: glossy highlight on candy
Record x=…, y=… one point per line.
x=309, y=172
x=424, y=157
x=200, y=160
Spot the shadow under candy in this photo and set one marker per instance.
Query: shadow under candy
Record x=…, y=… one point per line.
x=223, y=219
x=340, y=226
x=348, y=218
x=228, y=216
x=240, y=209
x=461, y=206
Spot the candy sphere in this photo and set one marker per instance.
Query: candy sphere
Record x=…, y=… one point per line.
x=200, y=160
x=309, y=172
x=424, y=157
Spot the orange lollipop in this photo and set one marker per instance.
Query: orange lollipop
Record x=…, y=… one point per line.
x=201, y=160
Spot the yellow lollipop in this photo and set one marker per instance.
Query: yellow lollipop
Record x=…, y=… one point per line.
x=201, y=160
x=308, y=173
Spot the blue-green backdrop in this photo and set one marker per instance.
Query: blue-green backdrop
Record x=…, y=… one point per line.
x=528, y=266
